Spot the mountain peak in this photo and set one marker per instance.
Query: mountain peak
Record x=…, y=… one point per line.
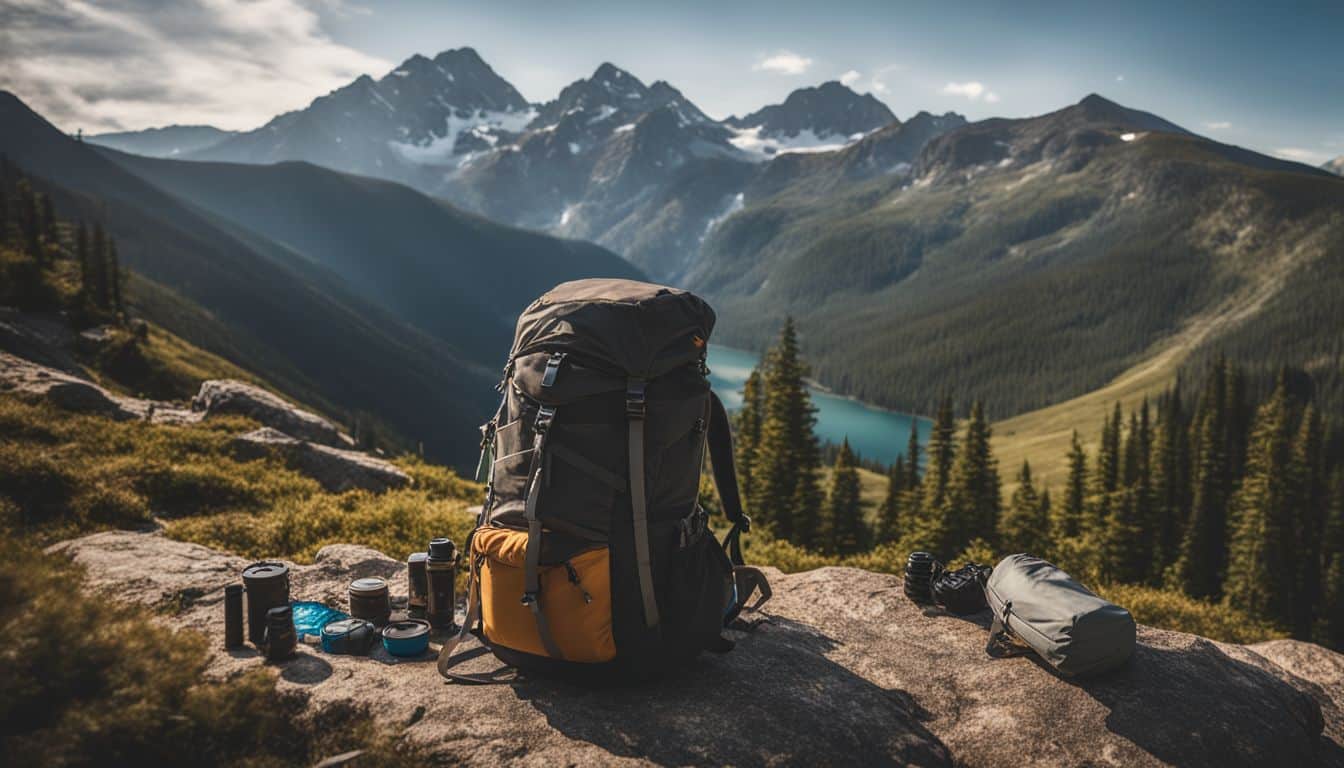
x=831, y=109
x=608, y=71
x=1096, y=100
x=1095, y=108
x=463, y=55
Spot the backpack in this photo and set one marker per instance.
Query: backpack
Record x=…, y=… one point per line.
x=591, y=556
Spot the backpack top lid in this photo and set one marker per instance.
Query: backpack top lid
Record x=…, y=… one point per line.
x=640, y=329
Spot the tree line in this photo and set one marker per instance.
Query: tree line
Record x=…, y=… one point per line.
x=1227, y=495
x=36, y=246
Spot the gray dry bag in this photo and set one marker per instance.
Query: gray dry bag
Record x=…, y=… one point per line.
x=1075, y=631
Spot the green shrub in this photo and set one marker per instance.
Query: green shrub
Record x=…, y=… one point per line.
x=1169, y=609
x=395, y=523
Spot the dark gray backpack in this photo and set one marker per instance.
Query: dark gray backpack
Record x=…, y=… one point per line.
x=1049, y=612
x=591, y=555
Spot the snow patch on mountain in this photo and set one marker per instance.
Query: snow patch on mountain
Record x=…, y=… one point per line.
x=486, y=125
x=763, y=147
x=735, y=204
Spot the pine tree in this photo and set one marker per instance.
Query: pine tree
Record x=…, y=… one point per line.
x=889, y=516
x=114, y=278
x=1068, y=520
x=1329, y=629
x=912, y=457
x=1125, y=548
x=747, y=435
x=788, y=455
x=1106, y=479
x=973, y=501
x=1198, y=569
x=48, y=219
x=844, y=516
x=1330, y=625
x=1308, y=502
x=1166, y=477
x=942, y=452
x=1261, y=573
x=30, y=226
x=1025, y=525
x=85, y=265
x=102, y=291
x=1237, y=417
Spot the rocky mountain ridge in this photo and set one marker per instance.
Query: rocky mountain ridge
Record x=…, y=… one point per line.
x=637, y=168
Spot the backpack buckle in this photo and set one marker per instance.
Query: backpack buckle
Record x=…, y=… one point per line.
x=545, y=415
x=744, y=524
x=529, y=598
x=634, y=398
x=552, y=368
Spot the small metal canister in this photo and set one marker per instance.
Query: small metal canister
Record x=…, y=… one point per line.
x=370, y=600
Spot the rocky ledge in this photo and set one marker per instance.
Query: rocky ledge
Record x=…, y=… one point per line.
x=309, y=443
x=843, y=669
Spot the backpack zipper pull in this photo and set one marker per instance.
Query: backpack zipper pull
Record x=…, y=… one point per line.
x=574, y=579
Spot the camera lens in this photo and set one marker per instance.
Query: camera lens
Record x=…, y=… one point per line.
x=921, y=568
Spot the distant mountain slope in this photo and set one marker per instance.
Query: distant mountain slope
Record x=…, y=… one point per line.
x=1335, y=166
x=168, y=141
x=282, y=312
x=1024, y=261
x=455, y=276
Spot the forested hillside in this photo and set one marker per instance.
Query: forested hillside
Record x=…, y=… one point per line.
x=433, y=266
x=1221, y=504
x=1022, y=262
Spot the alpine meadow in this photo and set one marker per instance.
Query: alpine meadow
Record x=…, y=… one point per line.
x=356, y=412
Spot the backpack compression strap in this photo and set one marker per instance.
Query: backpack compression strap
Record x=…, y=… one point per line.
x=725, y=477
x=639, y=502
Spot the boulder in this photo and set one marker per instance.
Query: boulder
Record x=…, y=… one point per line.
x=238, y=397
x=842, y=669
x=75, y=393
x=337, y=470
x=64, y=390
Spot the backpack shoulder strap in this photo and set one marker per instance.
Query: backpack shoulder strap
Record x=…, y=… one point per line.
x=725, y=477
x=747, y=580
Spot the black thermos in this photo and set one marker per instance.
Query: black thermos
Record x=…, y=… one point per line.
x=267, y=588
x=281, y=639
x=418, y=585
x=441, y=570
x=233, y=616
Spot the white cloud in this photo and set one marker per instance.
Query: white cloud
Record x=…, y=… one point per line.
x=851, y=77
x=1119, y=78
x=973, y=90
x=1308, y=156
x=128, y=64
x=1217, y=125
x=784, y=63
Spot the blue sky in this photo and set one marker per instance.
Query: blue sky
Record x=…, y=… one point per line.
x=1266, y=76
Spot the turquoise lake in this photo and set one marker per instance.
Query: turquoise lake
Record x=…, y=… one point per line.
x=873, y=432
